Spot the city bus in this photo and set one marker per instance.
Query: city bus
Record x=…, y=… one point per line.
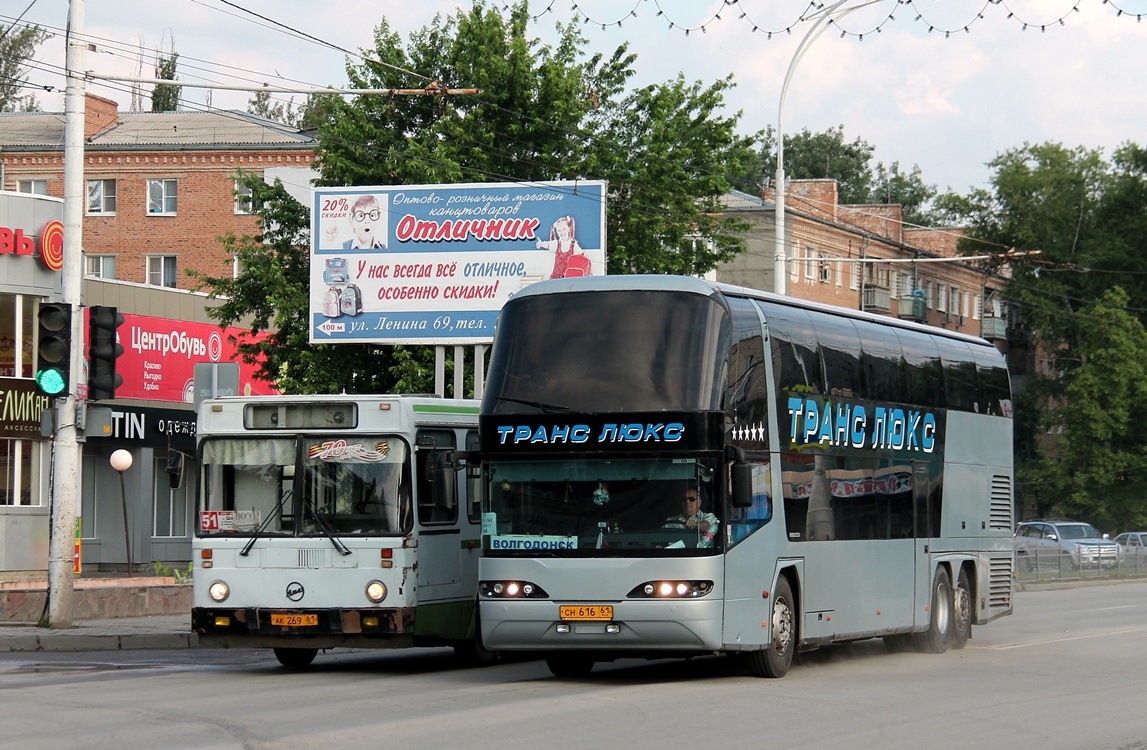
x=676, y=467
x=335, y=521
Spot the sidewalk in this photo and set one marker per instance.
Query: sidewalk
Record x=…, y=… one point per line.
x=107, y=614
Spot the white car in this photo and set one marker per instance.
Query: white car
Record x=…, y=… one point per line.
x=1064, y=545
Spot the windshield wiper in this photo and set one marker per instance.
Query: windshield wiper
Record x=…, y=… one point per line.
x=263, y=526
x=535, y=404
x=342, y=548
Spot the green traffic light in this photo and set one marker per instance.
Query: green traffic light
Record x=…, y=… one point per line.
x=51, y=381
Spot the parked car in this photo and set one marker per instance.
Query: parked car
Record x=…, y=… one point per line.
x=1133, y=547
x=1067, y=545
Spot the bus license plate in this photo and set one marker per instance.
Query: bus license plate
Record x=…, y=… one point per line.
x=586, y=611
x=294, y=621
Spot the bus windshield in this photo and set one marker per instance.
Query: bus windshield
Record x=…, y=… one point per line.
x=652, y=351
x=602, y=506
x=313, y=485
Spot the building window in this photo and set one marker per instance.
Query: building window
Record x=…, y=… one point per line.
x=99, y=266
x=810, y=264
x=854, y=277
x=162, y=197
x=161, y=270
x=38, y=187
x=977, y=307
x=825, y=268
x=244, y=204
x=954, y=300
x=101, y=196
x=941, y=297
x=170, y=512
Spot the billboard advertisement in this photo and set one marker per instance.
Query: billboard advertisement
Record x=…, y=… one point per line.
x=433, y=264
x=158, y=362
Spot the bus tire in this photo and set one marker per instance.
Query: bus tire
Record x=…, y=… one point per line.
x=935, y=639
x=569, y=665
x=961, y=611
x=296, y=658
x=775, y=660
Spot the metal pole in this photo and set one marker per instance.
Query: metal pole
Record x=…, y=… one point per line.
x=66, y=475
x=780, y=270
x=126, y=531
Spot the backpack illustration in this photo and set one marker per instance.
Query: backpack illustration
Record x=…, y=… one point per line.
x=335, y=272
x=332, y=302
x=350, y=302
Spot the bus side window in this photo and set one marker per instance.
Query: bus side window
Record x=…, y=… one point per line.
x=437, y=490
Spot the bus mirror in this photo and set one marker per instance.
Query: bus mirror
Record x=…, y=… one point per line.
x=175, y=470
x=742, y=480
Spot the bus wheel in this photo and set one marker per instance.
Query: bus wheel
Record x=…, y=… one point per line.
x=775, y=660
x=935, y=639
x=569, y=665
x=296, y=658
x=961, y=611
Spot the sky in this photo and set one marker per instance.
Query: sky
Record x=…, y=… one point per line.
x=946, y=85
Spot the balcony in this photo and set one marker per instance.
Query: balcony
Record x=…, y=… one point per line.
x=877, y=299
x=912, y=308
x=994, y=329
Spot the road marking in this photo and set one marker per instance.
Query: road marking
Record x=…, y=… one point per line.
x=1010, y=646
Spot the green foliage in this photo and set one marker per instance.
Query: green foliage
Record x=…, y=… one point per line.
x=17, y=47
x=542, y=113
x=308, y=115
x=181, y=575
x=1098, y=469
x=827, y=155
x=1083, y=298
x=165, y=97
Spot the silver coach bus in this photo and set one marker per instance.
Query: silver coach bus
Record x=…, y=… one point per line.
x=674, y=467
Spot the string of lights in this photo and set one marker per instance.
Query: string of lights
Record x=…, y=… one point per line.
x=751, y=12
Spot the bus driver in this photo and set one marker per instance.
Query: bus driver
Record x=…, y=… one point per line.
x=692, y=517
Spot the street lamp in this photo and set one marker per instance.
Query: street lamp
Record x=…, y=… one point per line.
x=780, y=273
x=121, y=462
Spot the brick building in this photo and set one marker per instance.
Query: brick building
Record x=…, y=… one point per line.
x=864, y=258
x=160, y=184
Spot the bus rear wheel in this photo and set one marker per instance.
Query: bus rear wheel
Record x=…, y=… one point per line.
x=569, y=665
x=961, y=611
x=935, y=639
x=296, y=658
x=775, y=660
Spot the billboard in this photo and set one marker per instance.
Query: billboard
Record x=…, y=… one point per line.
x=159, y=358
x=433, y=264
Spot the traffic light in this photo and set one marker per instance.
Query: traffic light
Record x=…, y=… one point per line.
x=103, y=350
x=54, y=352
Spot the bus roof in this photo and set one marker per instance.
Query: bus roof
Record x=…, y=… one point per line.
x=690, y=284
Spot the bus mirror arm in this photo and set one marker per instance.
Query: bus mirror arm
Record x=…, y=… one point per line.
x=741, y=477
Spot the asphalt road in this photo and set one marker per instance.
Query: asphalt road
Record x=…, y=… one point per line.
x=1065, y=671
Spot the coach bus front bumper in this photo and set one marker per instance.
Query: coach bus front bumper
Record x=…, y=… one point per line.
x=639, y=627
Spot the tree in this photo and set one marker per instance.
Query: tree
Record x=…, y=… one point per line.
x=165, y=97
x=1085, y=217
x=17, y=46
x=306, y=116
x=827, y=155
x=545, y=113
x=1098, y=469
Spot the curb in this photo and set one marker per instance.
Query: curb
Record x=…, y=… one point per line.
x=60, y=641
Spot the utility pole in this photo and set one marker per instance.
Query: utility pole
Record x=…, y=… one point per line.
x=66, y=476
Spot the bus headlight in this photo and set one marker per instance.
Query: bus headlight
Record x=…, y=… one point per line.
x=671, y=590
x=376, y=591
x=511, y=590
x=218, y=591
